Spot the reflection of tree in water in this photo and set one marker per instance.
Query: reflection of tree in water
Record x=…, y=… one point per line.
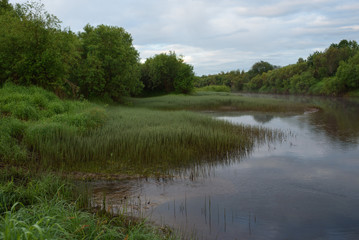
x=339, y=120
x=263, y=118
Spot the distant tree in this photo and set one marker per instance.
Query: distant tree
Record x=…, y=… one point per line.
x=348, y=73
x=109, y=63
x=300, y=60
x=167, y=73
x=259, y=68
x=353, y=45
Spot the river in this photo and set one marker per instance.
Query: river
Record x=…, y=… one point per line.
x=306, y=187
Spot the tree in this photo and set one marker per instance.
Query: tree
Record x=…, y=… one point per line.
x=167, y=73
x=109, y=63
x=33, y=48
x=348, y=73
x=5, y=6
x=259, y=68
x=183, y=82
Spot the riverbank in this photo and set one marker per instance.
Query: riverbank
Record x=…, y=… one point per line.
x=41, y=133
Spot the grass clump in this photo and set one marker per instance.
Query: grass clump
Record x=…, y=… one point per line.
x=27, y=111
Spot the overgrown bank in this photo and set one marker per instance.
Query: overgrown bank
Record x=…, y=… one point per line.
x=40, y=132
x=48, y=207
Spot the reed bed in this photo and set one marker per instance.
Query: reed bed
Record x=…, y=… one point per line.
x=219, y=101
x=81, y=136
x=40, y=131
x=142, y=141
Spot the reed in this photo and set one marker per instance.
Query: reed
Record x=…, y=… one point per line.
x=136, y=140
x=74, y=135
x=219, y=101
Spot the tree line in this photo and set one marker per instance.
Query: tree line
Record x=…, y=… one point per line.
x=334, y=71
x=99, y=62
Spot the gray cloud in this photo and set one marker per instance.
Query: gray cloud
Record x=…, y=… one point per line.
x=222, y=35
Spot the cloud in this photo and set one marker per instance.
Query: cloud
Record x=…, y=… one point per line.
x=222, y=35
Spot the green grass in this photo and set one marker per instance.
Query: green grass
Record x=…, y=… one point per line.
x=39, y=131
x=24, y=109
x=90, y=137
x=218, y=102
x=137, y=140
x=43, y=207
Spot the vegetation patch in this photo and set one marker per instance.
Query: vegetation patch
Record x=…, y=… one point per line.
x=202, y=101
x=118, y=139
x=49, y=207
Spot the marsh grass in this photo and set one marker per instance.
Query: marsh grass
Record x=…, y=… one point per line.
x=219, y=101
x=73, y=135
x=135, y=140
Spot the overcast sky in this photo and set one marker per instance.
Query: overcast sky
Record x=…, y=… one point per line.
x=219, y=35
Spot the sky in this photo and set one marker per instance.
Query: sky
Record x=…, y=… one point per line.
x=219, y=35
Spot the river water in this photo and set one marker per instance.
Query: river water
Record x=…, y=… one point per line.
x=306, y=187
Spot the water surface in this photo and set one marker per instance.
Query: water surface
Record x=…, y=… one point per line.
x=306, y=187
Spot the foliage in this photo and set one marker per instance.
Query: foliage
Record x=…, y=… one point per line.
x=109, y=63
x=260, y=68
x=33, y=48
x=217, y=79
x=214, y=88
x=97, y=63
x=332, y=72
x=167, y=73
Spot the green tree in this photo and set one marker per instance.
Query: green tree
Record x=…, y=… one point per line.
x=33, y=48
x=348, y=73
x=109, y=63
x=5, y=6
x=183, y=82
x=260, y=67
x=167, y=73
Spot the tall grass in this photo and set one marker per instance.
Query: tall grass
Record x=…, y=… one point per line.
x=142, y=140
x=219, y=101
x=22, y=108
x=89, y=137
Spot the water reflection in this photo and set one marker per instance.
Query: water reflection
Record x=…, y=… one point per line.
x=306, y=187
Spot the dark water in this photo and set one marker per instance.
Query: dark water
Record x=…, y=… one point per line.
x=306, y=187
